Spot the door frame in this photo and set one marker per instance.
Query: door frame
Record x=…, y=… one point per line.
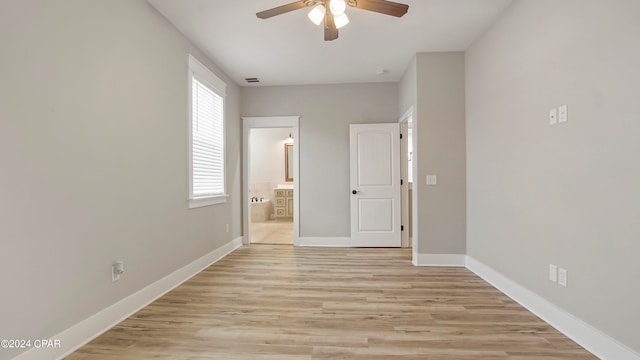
x=404, y=174
x=257, y=122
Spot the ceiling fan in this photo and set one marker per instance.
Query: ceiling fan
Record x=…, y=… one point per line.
x=333, y=12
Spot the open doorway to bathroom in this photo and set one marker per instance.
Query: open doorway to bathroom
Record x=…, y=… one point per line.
x=270, y=180
x=271, y=185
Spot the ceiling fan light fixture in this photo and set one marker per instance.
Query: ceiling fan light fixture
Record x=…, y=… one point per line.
x=341, y=20
x=316, y=15
x=332, y=12
x=337, y=7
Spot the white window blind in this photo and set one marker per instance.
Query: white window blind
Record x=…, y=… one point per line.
x=208, y=140
x=207, y=136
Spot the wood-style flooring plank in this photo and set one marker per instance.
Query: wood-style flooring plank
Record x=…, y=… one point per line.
x=281, y=302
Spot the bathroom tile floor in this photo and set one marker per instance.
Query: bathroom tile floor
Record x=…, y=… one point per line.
x=279, y=231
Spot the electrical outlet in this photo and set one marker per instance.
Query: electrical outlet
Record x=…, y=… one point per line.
x=227, y=227
x=432, y=179
x=563, y=113
x=117, y=269
x=562, y=277
x=553, y=116
x=553, y=273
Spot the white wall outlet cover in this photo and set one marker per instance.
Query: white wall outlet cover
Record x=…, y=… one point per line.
x=562, y=277
x=553, y=273
x=117, y=269
x=553, y=116
x=432, y=179
x=563, y=113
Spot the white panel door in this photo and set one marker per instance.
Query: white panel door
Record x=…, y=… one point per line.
x=375, y=185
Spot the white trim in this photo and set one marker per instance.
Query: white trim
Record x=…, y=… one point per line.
x=205, y=76
x=249, y=123
x=589, y=337
x=207, y=201
x=439, y=260
x=86, y=330
x=404, y=129
x=404, y=187
x=325, y=241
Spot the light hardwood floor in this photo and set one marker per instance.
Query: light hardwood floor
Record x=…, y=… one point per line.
x=278, y=231
x=281, y=302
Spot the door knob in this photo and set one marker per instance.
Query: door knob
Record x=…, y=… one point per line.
x=354, y=192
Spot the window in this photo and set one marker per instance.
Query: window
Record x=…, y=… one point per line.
x=206, y=136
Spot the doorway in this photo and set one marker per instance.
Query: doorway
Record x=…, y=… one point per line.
x=271, y=180
x=407, y=170
x=271, y=186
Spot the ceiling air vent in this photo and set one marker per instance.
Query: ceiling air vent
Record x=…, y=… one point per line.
x=252, y=80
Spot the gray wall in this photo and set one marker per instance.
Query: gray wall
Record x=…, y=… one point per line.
x=407, y=89
x=93, y=160
x=434, y=85
x=326, y=112
x=565, y=194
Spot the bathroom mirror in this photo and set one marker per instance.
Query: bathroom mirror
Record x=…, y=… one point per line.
x=288, y=162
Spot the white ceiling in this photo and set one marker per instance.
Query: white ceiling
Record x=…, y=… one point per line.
x=290, y=50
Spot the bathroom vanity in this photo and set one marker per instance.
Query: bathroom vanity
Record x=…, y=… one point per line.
x=283, y=202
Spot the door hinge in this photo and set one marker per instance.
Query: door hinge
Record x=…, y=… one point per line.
x=401, y=181
x=400, y=136
x=401, y=227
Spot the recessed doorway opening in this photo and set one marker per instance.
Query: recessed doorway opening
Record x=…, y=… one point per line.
x=271, y=185
x=270, y=180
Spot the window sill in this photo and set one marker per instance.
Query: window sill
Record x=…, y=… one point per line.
x=207, y=201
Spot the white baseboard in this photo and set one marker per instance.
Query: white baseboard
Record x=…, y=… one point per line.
x=81, y=333
x=325, y=241
x=439, y=260
x=592, y=339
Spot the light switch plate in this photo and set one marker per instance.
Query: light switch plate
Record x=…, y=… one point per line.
x=117, y=269
x=562, y=277
x=553, y=116
x=432, y=179
x=563, y=113
x=553, y=273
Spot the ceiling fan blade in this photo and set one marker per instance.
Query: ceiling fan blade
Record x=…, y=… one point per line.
x=330, y=30
x=283, y=9
x=381, y=6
